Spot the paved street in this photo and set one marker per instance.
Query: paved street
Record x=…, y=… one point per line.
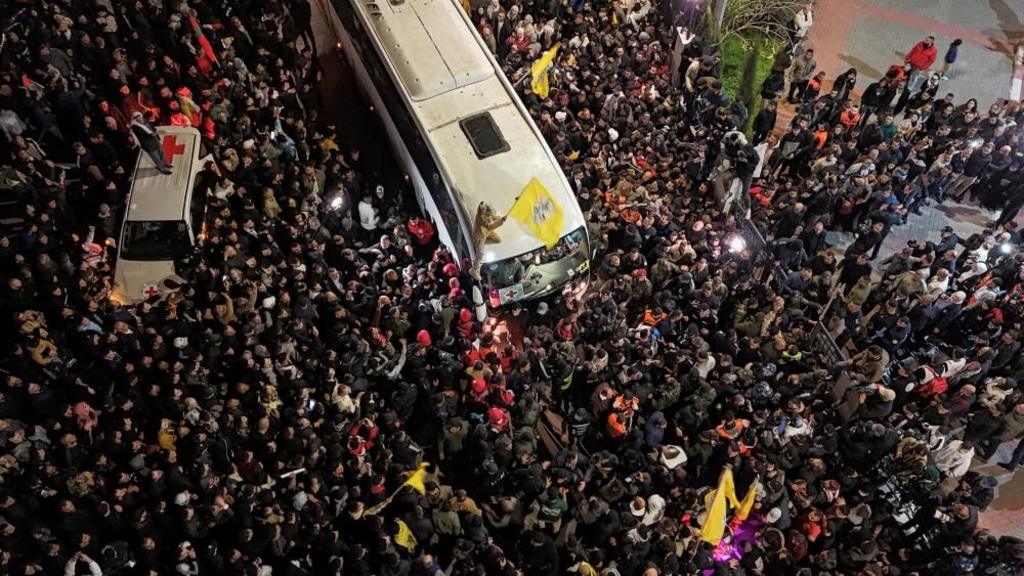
x=871, y=35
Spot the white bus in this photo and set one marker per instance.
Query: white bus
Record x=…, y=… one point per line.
x=164, y=218
x=463, y=136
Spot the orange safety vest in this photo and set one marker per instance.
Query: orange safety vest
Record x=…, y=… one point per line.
x=898, y=72
x=741, y=425
x=849, y=119
x=630, y=215
x=819, y=139
x=613, y=199
x=651, y=319
x=616, y=425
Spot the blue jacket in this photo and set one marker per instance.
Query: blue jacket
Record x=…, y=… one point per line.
x=951, y=53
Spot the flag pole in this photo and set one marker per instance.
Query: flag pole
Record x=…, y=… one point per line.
x=384, y=503
x=418, y=475
x=514, y=201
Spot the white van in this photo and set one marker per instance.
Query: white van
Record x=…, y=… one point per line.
x=164, y=219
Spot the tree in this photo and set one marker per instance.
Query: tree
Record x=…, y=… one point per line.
x=748, y=83
x=769, y=19
x=750, y=31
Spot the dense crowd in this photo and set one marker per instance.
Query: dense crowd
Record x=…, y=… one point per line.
x=262, y=417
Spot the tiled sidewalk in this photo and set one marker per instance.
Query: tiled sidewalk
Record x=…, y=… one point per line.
x=871, y=35
x=1006, y=515
x=966, y=219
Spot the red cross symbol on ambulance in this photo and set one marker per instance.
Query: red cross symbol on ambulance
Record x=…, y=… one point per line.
x=171, y=148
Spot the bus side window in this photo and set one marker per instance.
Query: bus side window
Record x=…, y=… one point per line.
x=406, y=125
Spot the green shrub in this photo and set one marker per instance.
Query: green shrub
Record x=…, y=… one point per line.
x=746, y=62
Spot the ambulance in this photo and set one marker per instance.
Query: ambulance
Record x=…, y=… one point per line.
x=164, y=219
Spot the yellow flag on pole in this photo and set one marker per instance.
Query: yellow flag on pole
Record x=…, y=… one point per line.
x=539, y=71
x=748, y=501
x=537, y=208
x=714, y=521
x=416, y=479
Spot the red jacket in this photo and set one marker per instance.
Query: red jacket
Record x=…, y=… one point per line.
x=922, y=57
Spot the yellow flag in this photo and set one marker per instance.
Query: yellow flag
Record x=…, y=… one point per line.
x=416, y=479
x=748, y=501
x=573, y=155
x=714, y=521
x=539, y=71
x=536, y=208
x=404, y=537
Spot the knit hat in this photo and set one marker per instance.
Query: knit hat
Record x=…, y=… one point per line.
x=498, y=418
x=423, y=337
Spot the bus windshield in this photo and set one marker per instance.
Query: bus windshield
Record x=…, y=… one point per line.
x=539, y=271
x=155, y=240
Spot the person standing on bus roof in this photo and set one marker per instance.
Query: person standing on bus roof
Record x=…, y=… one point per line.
x=485, y=224
x=144, y=135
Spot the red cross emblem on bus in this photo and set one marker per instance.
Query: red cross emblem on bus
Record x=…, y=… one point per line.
x=509, y=293
x=172, y=148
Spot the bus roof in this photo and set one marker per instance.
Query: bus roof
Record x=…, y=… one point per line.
x=451, y=76
x=158, y=196
x=498, y=179
x=427, y=47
